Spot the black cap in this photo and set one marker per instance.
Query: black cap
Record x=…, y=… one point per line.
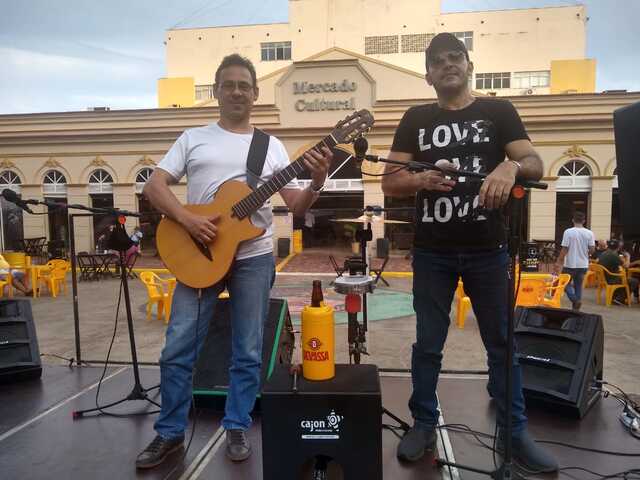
x=444, y=42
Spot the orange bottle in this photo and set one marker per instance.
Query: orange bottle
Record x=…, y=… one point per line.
x=318, y=338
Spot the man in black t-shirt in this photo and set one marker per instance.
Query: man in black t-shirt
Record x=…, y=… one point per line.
x=460, y=232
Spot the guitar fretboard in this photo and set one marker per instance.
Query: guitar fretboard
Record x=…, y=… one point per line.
x=252, y=202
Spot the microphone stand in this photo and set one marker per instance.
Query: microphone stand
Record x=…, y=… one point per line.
x=119, y=240
x=513, y=216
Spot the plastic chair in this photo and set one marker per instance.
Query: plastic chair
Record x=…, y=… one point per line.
x=463, y=304
x=531, y=292
x=591, y=277
x=55, y=276
x=4, y=283
x=610, y=288
x=554, y=293
x=155, y=293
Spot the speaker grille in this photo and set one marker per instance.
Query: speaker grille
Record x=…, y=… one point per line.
x=13, y=331
x=549, y=347
x=547, y=377
x=12, y=354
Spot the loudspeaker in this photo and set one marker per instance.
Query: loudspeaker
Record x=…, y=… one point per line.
x=19, y=353
x=626, y=123
x=340, y=418
x=211, y=380
x=561, y=356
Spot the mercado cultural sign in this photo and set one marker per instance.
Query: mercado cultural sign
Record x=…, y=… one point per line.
x=321, y=103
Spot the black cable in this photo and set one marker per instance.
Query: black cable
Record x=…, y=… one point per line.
x=106, y=364
x=383, y=174
x=624, y=474
x=587, y=449
x=71, y=360
x=628, y=400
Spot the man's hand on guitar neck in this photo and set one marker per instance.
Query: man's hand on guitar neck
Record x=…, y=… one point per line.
x=200, y=227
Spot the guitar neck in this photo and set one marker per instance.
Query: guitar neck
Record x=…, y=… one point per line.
x=252, y=202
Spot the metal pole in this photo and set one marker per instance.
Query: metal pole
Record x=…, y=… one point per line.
x=74, y=285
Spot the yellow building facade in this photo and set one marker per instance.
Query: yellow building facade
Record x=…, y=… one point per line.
x=515, y=52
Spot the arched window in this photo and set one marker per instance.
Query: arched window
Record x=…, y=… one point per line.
x=575, y=176
x=54, y=184
x=142, y=177
x=100, y=181
x=11, y=180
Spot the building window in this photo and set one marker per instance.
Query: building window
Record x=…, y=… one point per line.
x=54, y=184
x=10, y=180
x=204, y=92
x=574, y=176
x=416, y=43
x=574, y=168
x=531, y=79
x=273, y=51
x=466, y=38
x=493, y=80
x=142, y=177
x=381, y=45
x=100, y=181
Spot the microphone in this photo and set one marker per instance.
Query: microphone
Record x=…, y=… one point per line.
x=360, y=146
x=11, y=196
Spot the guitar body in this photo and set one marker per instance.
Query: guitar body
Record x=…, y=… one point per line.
x=181, y=254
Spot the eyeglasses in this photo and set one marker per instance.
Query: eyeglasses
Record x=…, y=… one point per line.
x=229, y=86
x=454, y=56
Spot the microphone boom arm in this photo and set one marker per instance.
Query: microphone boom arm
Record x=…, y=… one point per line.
x=414, y=166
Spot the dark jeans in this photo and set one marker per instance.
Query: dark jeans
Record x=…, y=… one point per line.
x=435, y=277
x=574, y=287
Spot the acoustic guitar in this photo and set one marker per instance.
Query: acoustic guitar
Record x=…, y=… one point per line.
x=200, y=265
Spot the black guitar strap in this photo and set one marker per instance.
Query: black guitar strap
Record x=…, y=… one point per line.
x=256, y=157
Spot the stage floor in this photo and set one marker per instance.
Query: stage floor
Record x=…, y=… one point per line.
x=40, y=440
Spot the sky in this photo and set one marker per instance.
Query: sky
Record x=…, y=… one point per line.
x=65, y=55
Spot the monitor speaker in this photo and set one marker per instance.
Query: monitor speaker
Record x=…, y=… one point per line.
x=626, y=123
x=561, y=356
x=19, y=353
x=211, y=380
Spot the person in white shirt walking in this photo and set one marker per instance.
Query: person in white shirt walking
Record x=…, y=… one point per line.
x=578, y=243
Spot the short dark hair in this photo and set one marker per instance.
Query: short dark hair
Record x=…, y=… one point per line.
x=235, y=59
x=613, y=244
x=579, y=217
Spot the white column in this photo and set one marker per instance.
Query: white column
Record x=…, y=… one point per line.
x=600, y=208
x=542, y=212
x=84, y=225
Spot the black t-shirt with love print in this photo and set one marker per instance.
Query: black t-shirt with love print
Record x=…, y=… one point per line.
x=473, y=138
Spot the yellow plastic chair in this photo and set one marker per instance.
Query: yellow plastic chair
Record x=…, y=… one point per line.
x=591, y=277
x=463, y=304
x=554, y=293
x=156, y=294
x=7, y=282
x=16, y=259
x=531, y=292
x=610, y=288
x=55, y=276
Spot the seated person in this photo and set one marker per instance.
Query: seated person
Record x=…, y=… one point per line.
x=601, y=247
x=136, y=236
x=612, y=260
x=17, y=277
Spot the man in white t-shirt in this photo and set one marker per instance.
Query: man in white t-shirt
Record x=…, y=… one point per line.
x=578, y=243
x=210, y=156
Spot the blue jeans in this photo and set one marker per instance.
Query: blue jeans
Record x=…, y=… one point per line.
x=574, y=287
x=435, y=278
x=249, y=284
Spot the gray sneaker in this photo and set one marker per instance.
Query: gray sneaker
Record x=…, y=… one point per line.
x=238, y=447
x=157, y=451
x=414, y=443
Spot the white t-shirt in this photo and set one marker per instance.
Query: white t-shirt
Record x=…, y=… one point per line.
x=210, y=156
x=577, y=240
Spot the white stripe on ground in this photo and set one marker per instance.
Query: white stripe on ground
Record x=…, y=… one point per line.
x=24, y=425
x=448, y=473
x=204, y=457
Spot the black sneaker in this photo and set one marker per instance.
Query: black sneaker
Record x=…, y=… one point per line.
x=157, y=451
x=527, y=454
x=576, y=305
x=238, y=447
x=414, y=443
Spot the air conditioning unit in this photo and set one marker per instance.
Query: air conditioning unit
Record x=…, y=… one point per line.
x=528, y=91
x=493, y=94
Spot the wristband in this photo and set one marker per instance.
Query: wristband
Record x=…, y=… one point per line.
x=517, y=164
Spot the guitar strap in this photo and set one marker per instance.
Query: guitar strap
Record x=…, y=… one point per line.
x=256, y=157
